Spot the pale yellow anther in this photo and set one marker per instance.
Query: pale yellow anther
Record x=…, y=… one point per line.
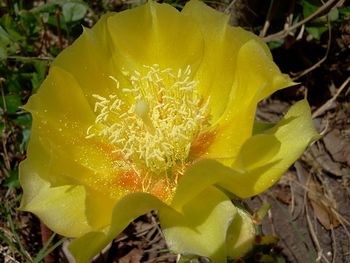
x=156, y=125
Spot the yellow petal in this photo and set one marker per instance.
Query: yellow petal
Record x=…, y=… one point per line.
x=255, y=78
x=126, y=210
x=240, y=235
x=260, y=127
x=54, y=131
x=196, y=179
x=99, y=208
x=294, y=132
x=257, y=75
x=60, y=96
x=261, y=167
x=86, y=165
x=124, y=42
x=89, y=61
x=150, y=34
x=202, y=228
x=251, y=156
x=219, y=63
x=87, y=246
x=58, y=149
x=61, y=208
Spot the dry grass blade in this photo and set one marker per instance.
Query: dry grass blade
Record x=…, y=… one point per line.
x=323, y=59
x=46, y=250
x=12, y=238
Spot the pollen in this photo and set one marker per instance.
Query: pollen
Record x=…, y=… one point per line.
x=153, y=120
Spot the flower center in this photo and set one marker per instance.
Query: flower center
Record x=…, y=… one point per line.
x=157, y=122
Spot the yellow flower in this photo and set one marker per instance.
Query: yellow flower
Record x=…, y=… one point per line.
x=148, y=110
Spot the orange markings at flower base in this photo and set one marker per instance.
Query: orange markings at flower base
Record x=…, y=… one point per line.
x=132, y=182
x=129, y=180
x=201, y=144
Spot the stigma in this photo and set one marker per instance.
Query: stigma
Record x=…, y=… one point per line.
x=155, y=126
x=142, y=109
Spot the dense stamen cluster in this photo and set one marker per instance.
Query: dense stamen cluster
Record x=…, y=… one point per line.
x=156, y=126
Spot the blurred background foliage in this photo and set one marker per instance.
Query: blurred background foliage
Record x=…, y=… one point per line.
x=33, y=33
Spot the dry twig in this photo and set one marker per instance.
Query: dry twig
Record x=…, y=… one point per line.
x=285, y=32
x=323, y=59
x=321, y=110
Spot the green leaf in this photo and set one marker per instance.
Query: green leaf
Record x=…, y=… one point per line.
x=13, y=85
x=38, y=76
x=30, y=22
x=7, y=45
x=73, y=11
x=3, y=53
x=12, y=103
x=36, y=80
x=52, y=21
x=333, y=14
x=41, y=67
x=54, y=51
x=5, y=38
x=24, y=120
x=48, y=249
x=25, y=139
x=49, y=7
x=275, y=44
x=344, y=12
x=12, y=181
x=308, y=8
x=11, y=27
x=316, y=32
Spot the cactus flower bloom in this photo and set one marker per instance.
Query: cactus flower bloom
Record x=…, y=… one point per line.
x=153, y=109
